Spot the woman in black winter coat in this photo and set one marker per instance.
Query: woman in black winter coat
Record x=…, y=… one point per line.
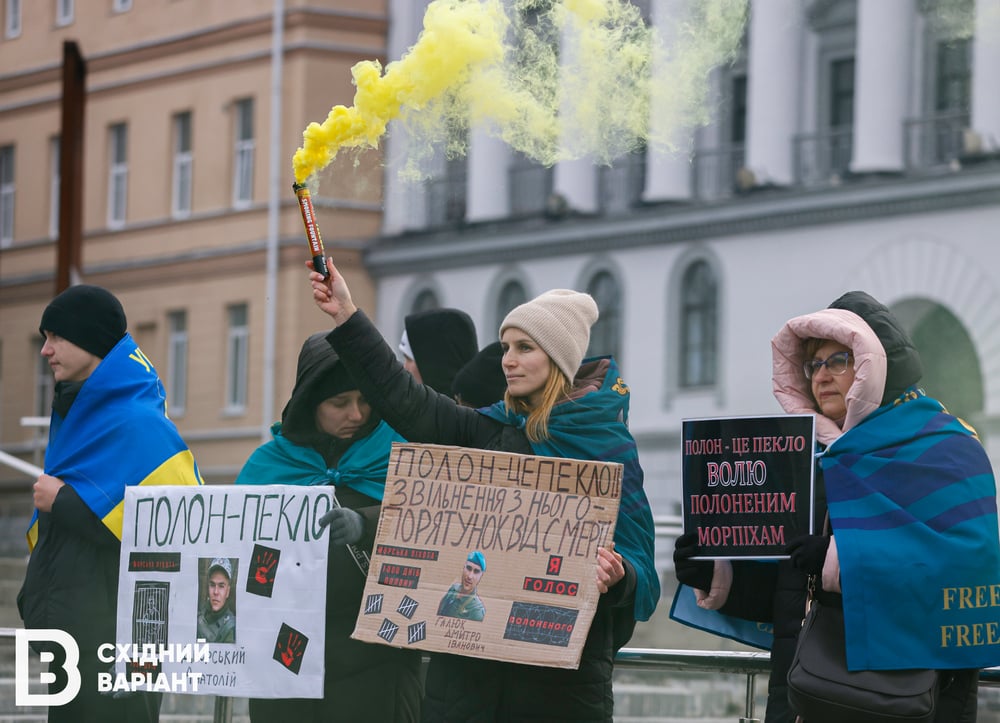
x=854, y=367
x=555, y=407
x=328, y=435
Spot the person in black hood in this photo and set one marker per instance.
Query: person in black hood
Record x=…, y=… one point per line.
x=853, y=366
x=481, y=382
x=328, y=434
x=436, y=344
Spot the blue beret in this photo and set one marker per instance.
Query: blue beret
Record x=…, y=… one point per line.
x=477, y=557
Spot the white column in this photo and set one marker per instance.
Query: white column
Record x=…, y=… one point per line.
x=774, y=63
x=574, y=179
x=882, y=83
x=985, y=63
x=487, y=188
x=668, y=173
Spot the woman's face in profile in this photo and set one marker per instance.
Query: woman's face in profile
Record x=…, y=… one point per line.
x=343, y=415
x=829, y=389
x=525, y=365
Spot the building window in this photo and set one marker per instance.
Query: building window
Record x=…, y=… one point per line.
x=177, y=360
x=511, y=294
x=64, y=12
x=182, y=182
x=237, y=358
x=842, y=93
x=424, y=301
x=738, y=110
x=12, y=19
x=117, y=174
x=121, y=6
x=606, y=333
x=243, y=163
x=55, y=159
x=6, y=195
x=44, y=382
x=953, y=79
x=699, y=298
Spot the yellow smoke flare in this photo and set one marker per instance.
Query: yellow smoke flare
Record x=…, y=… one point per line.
x=555, y=79
x=457, y=37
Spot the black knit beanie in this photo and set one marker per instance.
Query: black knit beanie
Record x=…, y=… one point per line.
x=89, y=316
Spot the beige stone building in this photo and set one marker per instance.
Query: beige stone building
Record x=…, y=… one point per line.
x=194, y=109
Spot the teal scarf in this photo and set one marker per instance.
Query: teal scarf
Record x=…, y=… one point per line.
x=593, y=427
x=362, y=467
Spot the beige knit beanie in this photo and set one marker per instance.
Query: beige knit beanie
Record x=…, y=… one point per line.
x=559, y=321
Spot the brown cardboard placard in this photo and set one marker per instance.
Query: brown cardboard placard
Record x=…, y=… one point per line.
x=531, y=525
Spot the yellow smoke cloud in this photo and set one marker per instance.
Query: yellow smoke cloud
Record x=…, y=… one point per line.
x=555, y=79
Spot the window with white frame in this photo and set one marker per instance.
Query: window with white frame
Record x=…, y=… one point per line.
x=6, y=195
x=182, y=182
x=65, y=10
x=12, y=18
x=237, y=358
x=606, y=333
x=699, y=328
x=244, y=152
x=117, y=174
x=121, y=6
x=44, y=382
x=55, y=150
x=177, y=362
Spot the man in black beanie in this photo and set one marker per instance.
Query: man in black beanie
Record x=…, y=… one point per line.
x=118, y=435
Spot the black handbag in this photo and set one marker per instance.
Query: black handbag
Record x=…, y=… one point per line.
x=822, y=690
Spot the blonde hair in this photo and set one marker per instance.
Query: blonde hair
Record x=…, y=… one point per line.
x=557, y=387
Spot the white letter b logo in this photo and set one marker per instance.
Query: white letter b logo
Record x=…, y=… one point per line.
x=72, y=673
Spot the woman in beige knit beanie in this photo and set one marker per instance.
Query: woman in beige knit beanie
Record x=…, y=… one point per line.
x=544, y=342
x=556, y=405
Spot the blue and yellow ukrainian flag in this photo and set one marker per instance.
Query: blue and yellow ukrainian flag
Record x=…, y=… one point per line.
x=117, y=434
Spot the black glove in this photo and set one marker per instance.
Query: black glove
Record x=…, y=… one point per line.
x=808, y=552
x=693, y=573
x=346, y=526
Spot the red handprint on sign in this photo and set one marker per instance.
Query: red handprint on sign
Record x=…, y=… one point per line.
x=289, y=647
x=265, y=568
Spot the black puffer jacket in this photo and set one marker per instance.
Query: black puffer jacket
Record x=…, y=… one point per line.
x=462, y=688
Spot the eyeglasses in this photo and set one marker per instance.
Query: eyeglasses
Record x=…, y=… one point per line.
x=836, y=364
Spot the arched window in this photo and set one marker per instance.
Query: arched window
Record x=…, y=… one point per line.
x=511, y=294
x=424, y=301
x=606, y=333
x=699, y=328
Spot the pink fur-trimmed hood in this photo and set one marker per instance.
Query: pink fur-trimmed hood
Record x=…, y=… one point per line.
x=792, y=389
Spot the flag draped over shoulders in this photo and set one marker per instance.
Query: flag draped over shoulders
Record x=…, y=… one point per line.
x=912, y=501
x=362, y=467
x=116, y=434
x=593, y=427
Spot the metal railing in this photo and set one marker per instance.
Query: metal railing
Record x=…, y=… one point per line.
x=822, y=158
x=935, y=140
x=713, y=172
